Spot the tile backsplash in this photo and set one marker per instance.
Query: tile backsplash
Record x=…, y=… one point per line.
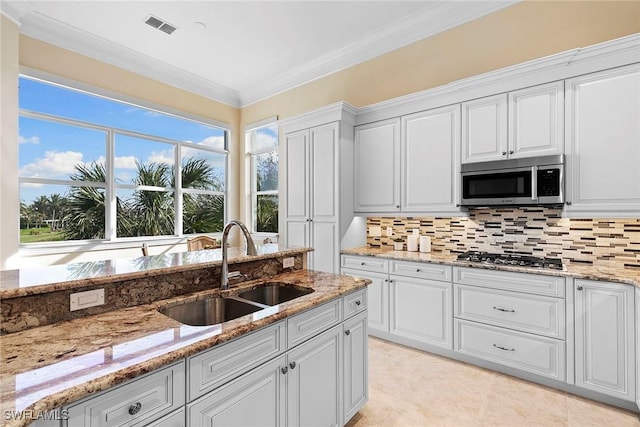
x=538, y=230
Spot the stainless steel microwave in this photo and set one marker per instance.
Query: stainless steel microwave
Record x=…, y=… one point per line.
x=524, y=182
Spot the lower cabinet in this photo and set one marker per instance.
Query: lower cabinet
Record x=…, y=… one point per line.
x=377, y=300
x=355, y=364
x=604, y=336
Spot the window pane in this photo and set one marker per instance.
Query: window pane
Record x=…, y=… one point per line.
x=58, y=151
x=202, y=169
x=267, y=213
x=145, y=213
x=203, y=213
x=59, y=212
x=143, y=162
x=266, y=171
x=60, y=101
x=264, y=137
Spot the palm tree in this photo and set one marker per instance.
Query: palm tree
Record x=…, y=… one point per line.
x=153, y=211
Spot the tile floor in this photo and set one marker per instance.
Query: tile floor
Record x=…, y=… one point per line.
x=409, y=387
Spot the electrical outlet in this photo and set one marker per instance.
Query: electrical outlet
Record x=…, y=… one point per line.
x=288, y=262
x=375, y=231
x=389, y=231
x=80, y=300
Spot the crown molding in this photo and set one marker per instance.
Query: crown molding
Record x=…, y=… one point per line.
x=571, y=63
x=59, y=34
x=441, y=17
x=341, y=110
x=16, y=10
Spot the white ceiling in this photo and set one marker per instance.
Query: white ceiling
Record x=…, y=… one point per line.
x=249, y=50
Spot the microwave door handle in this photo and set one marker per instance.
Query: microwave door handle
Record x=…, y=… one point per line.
x=534, y=183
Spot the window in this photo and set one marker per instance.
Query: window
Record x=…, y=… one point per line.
x=91, y=168
x=262, y=148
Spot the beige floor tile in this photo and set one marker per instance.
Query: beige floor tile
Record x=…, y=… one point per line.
x=412, y=388
x=586, y=413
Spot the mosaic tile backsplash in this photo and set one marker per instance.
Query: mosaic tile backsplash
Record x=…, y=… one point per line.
x=538, y=231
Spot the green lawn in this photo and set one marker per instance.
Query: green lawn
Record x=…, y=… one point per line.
x=43, y=234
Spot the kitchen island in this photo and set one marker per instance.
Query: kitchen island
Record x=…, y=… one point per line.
x=48, y=367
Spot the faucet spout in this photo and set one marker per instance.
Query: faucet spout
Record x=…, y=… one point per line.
x=251, y=249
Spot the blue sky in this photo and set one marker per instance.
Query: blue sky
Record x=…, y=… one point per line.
x=51, y=150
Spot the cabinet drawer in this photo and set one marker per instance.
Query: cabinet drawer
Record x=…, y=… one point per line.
x=354, y=303
x=155, y=395
x=305, y=325
x=421, y=270
x=520, y=282
x=214, y=367
x=365, y=263
x=531, y=353
x=527, y=313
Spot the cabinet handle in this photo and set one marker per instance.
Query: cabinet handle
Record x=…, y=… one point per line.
x=397, y=206
x=363, y=263
x=358, y=302
x=506, y=310
x=580, y=287
x=347, y=332
x=292, y=365
x=504, y=348
x=417, y=270
x=284, y=370
x=504, y=153
x=511, y=152
x=135, y=408
x=568, y=203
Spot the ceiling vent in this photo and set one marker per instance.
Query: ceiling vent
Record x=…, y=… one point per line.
x=159, y=24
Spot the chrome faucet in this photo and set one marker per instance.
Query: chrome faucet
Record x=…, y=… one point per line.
x=251, y=249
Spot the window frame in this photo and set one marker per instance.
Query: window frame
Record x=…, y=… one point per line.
x=111, y=186
x=252, y=173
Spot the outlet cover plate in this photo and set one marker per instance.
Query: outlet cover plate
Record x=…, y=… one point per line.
x=288, y=262
x=80, y=300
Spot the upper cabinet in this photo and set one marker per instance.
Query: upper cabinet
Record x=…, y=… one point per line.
x=522, y=123
x=409, y=164
x=603, y=142
x=377, y=167
x=430, y=156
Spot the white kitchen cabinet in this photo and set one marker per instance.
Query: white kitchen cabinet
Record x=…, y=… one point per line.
x=318, y=190
x=138, y=402
x=484, y=129
x=638, y=346
x=430, y=153
x=377, y=299
x=603, y=149
x=524, y=123
x=256, y=398
x=314, y=381
x=604, y=338
x=355, y=364
x=377, y=167
x=421, y=310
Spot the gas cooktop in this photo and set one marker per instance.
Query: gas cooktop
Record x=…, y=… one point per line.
x=511, y=259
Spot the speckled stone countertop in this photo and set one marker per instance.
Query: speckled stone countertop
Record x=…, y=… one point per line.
x=49, y=366
x=38, y=280
x=611, y=271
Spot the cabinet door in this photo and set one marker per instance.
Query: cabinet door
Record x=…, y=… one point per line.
x=536, y=121
x=602, y=135
x=430, y=156
x=355, y=365
x=256, y=398
x=326, y=253
x=314, y=381
x=421, y=311
x=296, y=144
x=377, y=167
x=604, y=338
x=377, y=300
x=484, y=129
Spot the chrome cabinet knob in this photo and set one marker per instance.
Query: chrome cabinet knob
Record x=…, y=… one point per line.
x=580, y=287
x=504, y=153
x=511, y=152
x=292, y=365
x=347, y=332
x=358, y=302
x=284, y=370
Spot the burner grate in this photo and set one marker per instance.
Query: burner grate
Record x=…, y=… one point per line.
x=511, y=259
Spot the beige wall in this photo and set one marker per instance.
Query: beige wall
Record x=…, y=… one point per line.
x=9, y=199
x=516, y=34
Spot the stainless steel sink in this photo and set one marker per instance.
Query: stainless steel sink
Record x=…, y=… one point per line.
x=275, y=293
x=209, y=311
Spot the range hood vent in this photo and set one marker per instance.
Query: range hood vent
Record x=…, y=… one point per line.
x=160, y=24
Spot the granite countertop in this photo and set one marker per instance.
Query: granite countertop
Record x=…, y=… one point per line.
x=49, y=366
x=38, y=280
x=612, y=271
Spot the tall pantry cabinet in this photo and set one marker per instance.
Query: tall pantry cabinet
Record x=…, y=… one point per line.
x=317, y=153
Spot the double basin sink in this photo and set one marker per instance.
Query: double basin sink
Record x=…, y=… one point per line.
x=214, y=310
